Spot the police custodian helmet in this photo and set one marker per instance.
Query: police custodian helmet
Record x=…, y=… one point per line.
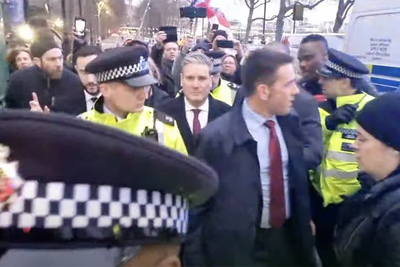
x=73, y=193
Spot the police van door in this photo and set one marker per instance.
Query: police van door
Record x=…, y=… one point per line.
x=373, y=36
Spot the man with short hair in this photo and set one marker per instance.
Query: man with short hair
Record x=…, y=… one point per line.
x=164, y=54
x=91, y=88
x=195, y=107
x=125, y=81
x=307, y=109
x=312, y=54
x=261, y=214
x=47, y=84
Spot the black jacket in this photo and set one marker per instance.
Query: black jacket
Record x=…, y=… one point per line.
x=157, y=98
x=313, y=87
x=223, y=232
x=368, y=229
x=62, y=95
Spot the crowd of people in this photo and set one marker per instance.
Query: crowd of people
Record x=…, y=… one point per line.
x=280, y=161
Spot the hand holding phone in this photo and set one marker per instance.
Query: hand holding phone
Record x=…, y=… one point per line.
x=80, y=26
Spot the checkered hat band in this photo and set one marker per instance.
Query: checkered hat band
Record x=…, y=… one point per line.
x=216, y=62
x=79, y=206
x=342, y=70
x=124, y=72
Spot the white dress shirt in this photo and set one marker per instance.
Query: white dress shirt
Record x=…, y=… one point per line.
x=203, y=116
x=89, y=102
x=260, y=133
x=106, y=110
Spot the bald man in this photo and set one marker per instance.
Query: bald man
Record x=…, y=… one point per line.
x=307, y=109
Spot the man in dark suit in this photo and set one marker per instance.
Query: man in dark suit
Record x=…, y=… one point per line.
x=91, y=89
x=195, y=107
x=261, y=214
x=306, y=107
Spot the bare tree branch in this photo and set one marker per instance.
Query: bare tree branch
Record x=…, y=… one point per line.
x=261, y=4
x=258, y=5
x=273, y=17
x=248, y=3
x=348, y=6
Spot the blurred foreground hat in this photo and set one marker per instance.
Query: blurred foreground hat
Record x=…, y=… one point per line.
x=84, y=193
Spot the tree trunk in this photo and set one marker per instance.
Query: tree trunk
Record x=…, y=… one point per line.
x=280, y=21
x=249, y=23
x=338, y=25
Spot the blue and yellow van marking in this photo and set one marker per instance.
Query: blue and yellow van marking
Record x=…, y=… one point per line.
x=385, y=78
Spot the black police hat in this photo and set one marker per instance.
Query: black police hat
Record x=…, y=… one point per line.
x=90, y=187
x=342, y=65
x=216, y=58
x=125, y=64
x=172, y=34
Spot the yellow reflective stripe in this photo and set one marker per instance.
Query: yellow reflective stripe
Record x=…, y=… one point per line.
x=339, y=174
x=341, y=156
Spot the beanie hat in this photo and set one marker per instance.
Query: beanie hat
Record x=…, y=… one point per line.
x=380, y=117
x=220, y=33
x=41, y=46
x=199, y=46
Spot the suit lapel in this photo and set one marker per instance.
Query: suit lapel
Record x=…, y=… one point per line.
x=183, y=125
x=211, y=109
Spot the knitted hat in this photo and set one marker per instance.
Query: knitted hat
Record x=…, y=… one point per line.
x=220, y=33
x=41, y=46
x=380, y=119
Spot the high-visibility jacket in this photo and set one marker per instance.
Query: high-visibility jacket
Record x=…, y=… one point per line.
x=139, y=123
x=337, y=175
x=225, y=92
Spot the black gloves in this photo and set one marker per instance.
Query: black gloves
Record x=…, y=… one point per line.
x=344, y=114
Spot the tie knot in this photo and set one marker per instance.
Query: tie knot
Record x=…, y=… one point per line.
x=270, y=124
x=94, y=99
x=196, y=112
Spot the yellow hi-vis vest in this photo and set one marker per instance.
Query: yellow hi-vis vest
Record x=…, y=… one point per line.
x=136, y=123
x=337, y=175
x=225, y=92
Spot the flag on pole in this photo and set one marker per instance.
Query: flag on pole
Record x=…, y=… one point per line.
x=215, y=15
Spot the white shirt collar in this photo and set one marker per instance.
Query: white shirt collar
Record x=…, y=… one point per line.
x=204, y=107
x=106, y=110
x=88, y=97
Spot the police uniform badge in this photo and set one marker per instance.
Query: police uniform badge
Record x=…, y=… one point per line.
x=10, y=180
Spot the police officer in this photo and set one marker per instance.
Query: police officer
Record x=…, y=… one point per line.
x=336, y=178
x=221, y=90
x=77, y=208
x=125, y=82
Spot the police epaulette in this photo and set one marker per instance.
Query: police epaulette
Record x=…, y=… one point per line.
x=164, y=118
x=233, y=86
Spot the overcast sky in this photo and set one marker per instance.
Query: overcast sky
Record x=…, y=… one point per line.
x=324, y=12
x=236, y=9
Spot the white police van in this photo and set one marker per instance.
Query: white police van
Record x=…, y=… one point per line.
x=373, y=36
x=335, y=40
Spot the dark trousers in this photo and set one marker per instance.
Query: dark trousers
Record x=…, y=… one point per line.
x=274, y=248
x=325, y=219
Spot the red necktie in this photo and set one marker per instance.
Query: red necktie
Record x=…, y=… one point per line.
x=196, y=121
x=277, y=214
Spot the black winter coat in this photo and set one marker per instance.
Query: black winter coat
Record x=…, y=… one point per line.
x=368, y=229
